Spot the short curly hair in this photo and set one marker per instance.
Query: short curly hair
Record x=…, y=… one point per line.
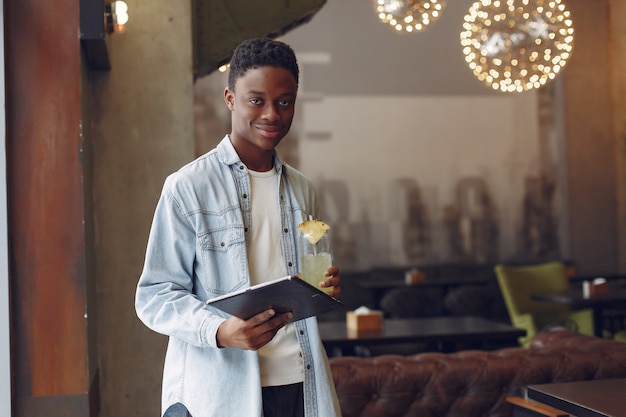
x=261, y=52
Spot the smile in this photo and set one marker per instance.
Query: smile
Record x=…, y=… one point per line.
x=270, y=131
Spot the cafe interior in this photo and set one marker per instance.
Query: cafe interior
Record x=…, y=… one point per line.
x=470, y=158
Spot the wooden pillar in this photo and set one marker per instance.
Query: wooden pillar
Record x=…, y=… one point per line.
x=51, y=372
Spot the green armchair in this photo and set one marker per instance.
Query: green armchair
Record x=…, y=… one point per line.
x=517, y=283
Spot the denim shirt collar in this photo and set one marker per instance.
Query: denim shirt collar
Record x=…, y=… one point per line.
x=228, y=155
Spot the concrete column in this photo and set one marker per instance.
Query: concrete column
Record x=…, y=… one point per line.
x=589, y=141
x=142, y=130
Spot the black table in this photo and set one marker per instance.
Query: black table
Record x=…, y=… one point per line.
x=379, y=286
x=448, y=333
x=574, y=298
x=608, y=277
x=596, y=398
x=382, y=285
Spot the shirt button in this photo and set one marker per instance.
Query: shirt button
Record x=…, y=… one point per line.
x=240, y=166
x=245, y=196
x=290, y=264
x=308, y=367
x=222, y=244
x=245, y=229
x=286, y=230
x=301, y=332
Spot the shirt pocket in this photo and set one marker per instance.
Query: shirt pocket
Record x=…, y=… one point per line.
x=223, y=261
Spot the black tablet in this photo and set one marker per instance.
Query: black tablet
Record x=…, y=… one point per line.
x=285, y=294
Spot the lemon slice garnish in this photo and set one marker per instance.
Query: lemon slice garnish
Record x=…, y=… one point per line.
x=313, y=230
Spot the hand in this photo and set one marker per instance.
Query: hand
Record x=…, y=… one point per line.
x=334, y=281
x=251, y=334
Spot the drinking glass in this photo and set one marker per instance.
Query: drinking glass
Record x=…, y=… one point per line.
x=315, y=259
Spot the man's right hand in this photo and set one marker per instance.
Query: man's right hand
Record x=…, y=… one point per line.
x=251, y=334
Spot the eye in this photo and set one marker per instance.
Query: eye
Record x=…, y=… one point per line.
x=255, y=101
x=285, y=103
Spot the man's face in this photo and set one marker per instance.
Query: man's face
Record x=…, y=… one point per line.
x=262, y=108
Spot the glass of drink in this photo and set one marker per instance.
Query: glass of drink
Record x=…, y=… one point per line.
x=315, y=259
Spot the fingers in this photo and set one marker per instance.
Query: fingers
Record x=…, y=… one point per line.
x=262, y=317
x=330, y=282
x=269, y=321
x=253, y=333
x=336, y=292
x=332, y=271
x=276, y=321
x=267, y=329
x=333, y=281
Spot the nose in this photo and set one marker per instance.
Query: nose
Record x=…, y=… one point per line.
x=271, y=112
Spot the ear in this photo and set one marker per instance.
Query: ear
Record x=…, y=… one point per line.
x=229, y=98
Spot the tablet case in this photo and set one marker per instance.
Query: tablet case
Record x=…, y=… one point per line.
x=285, y=294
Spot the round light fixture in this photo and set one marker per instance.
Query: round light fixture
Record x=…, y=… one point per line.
x=116, y=16
x=409, y=15
x=517, y=45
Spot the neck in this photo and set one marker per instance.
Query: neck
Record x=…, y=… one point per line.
x=258, y=165
x=255, y=159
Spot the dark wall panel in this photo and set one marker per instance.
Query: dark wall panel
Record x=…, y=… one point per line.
x=590, y=144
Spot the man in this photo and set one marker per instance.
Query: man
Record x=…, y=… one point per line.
x=226, y=221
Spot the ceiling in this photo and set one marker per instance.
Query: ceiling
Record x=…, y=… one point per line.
x=220, y=25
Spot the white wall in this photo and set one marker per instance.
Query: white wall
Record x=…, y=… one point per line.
x=434, y=143
x=5, y=357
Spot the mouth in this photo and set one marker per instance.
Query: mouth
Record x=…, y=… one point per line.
x=270, y=131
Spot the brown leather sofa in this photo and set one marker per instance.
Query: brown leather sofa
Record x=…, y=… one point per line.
x=470, y=383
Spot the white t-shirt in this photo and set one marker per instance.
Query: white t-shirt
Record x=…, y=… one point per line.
x=280, y=360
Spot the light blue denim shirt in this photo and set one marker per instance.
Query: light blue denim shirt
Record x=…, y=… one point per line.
x=197, y=251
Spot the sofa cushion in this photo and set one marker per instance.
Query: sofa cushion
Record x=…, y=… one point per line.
x=469, y=383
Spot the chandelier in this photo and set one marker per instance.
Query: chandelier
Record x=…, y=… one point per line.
x=409, y=15
x=517, y=45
